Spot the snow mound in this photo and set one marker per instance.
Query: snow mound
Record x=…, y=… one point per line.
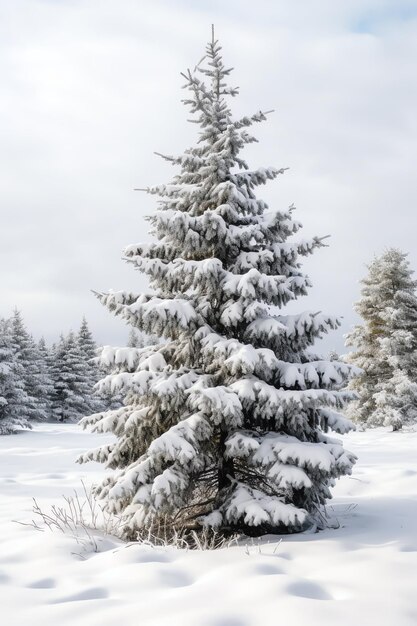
x=363, y=572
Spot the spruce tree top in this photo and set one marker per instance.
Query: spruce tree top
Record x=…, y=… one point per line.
x=223, y=424
x=86, y=341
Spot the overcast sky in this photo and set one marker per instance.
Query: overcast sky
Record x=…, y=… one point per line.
x=89, y=89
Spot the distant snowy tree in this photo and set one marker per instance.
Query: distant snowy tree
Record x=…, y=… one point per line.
x=223, y=426
x=72, y=388
x=134, y=339
x=86, y=341
x=139, y=339
x=386, y=344
x=44, y=364
x=89, y=351
x=57, y=353
x=13, y=397
x=36, y=381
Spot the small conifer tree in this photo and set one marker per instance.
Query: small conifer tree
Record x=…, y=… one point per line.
x=71, y=381
x=385, y=344
x=13, y=397
x=134, y=339
x=44, y=366
x=88, y=348
x=36, y=381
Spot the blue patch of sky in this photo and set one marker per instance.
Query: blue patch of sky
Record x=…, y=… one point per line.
x=372, y=20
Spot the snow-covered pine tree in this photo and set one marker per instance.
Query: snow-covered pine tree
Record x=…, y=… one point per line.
x=134, y=339
x=72, y=390
x=88, y=348
x=13, y=397
x=44, y=365
x=386, y=344
x=86, y=341
x=138, y=339
x=224, y=424
x=37, y=384
x=56, y=362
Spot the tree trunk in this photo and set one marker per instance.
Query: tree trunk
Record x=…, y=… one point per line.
x=225, y=468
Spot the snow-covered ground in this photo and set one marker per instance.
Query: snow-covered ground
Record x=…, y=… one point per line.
x=365, y=572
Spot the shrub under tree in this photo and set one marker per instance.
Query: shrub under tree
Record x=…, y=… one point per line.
x=223, y=425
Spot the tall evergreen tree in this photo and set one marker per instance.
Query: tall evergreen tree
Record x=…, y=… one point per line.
x=224, y=424
x=13, y=397
x=386, y=344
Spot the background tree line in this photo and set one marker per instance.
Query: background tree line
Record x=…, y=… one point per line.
x=40, y=382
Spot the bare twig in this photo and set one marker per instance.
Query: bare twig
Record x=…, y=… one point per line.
x=78, y=518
